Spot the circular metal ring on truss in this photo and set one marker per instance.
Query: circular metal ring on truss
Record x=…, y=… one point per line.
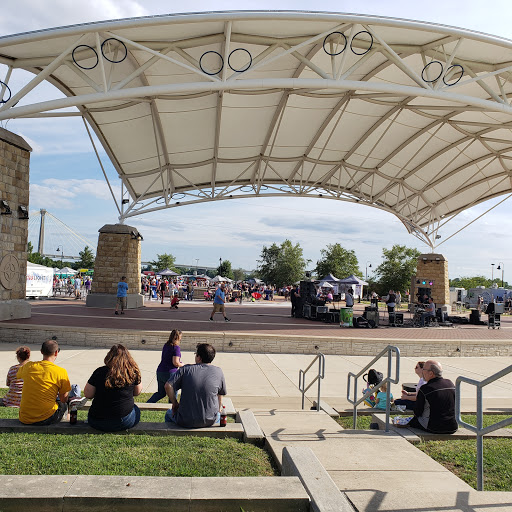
x=247, y=188
x=160, y=200
x=3, y=84
x=221, y=66
x=244, y=69
x=286, y=188
x=344, y=46
x=110, y=60
x=425, y=69
x=90, y=48
x=369, y=47
x=458, y=79
x=178, y=196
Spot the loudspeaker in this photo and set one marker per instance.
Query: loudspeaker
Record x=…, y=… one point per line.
x=307, y=291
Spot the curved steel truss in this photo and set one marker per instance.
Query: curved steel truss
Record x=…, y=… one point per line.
x=409, y=117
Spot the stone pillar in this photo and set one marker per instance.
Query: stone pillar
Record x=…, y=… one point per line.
x=432, y=268
x=14, y=182
x=117, y=255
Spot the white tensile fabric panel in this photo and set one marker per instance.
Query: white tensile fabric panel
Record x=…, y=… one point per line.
x=369, y=122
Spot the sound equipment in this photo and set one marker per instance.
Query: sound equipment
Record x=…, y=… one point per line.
x=372, y=314
x=474, y=317
x=396, y=319
x=307, y=292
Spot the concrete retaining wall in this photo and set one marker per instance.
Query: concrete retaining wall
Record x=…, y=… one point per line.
x=253, y=343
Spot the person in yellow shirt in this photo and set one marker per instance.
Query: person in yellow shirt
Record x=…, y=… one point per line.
x=46, y=388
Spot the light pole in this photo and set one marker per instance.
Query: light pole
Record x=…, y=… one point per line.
x=197, y=263
x=492, y=273
x=368, y=265
x=220, y=264
x=501, y=266
x=61, y=250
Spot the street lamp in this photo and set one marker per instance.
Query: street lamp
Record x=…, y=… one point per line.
x=368, y=265
x=492, y=273
x=61, y=250
x=501, y=266
x=197, y=263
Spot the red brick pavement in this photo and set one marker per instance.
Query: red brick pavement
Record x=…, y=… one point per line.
x=273, y=318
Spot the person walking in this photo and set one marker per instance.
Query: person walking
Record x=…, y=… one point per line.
x=122, y=292
x=218, y=303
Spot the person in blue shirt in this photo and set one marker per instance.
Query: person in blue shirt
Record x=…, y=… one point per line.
x=381, y=397
x=122, y=292
x=218, y=303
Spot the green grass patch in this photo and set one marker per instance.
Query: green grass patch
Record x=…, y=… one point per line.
x=134, y=455
x=459, y=456
x=363, y=422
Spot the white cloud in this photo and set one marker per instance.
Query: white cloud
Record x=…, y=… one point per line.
x=54, y=193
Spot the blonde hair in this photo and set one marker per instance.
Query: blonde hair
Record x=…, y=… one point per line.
x=174, y=337
x=122, y=368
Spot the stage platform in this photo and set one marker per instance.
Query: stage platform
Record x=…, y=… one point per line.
x=260, y=327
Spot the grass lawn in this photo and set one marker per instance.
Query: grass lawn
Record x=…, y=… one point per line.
x=459, y=456
x=140, y=455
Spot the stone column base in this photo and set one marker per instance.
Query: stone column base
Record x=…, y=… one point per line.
x=107, y=300
x=14, y=309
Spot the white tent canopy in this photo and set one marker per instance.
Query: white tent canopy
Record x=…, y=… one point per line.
x=66, y=270
x=325, y=284
x=220, y=279
x=409, y=117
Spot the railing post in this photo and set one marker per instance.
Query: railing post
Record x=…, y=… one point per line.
x=479, y=440
x=388, y=390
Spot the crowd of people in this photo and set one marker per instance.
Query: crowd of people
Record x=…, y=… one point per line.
x=44, y=394
x=77, y=286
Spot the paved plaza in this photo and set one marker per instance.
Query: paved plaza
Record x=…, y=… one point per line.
x=374, y=469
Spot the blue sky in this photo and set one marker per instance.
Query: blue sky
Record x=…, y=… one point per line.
x=67, y=180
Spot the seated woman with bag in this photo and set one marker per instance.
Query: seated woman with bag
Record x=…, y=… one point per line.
x=112, y=388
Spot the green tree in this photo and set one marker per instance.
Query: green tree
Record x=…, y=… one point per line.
x=337, y=261
x=164, y=261
x=225, y=270
x=282, y=265
x=473, y=282
x=239, y=274
x=86, y=258
x=398, y=267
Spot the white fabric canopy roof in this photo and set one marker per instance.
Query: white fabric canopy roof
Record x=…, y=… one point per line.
x=409, y=117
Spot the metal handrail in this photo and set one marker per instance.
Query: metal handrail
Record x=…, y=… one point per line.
x=479, y=429
x=319, y=377
x=389, y=350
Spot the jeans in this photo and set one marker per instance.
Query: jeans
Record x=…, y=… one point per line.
x=116, y=424
x=409, y=404
x=161, y=378
x=56, y=417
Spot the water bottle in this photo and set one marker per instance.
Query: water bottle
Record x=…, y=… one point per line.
x=73, y=415
x=223, y=417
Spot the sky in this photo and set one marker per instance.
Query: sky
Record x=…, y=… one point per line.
x=66, y=180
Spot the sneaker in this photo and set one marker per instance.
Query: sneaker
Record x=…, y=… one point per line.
x=116, y=313
x=122, y=312
x=227, y=319
x=78, y=402
x=211, y=319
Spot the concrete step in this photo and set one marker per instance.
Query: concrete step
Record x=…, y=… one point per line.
x=71, y=493
x=234, y=430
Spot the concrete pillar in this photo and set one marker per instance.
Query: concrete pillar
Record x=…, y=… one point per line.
x=14, y=192
x=117, y=255
x=432, y=268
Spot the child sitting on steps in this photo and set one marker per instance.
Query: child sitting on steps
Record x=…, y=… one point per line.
x=380, y=399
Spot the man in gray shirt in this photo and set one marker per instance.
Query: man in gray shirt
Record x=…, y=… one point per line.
x=202, y=386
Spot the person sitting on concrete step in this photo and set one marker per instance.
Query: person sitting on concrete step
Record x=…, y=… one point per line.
x=202, y=387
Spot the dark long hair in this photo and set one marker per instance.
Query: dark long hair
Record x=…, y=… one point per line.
x=122, y=368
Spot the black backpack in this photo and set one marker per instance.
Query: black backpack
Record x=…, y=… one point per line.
x=373, y=377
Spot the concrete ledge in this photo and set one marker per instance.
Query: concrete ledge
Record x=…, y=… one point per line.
x=252, y=431
x=159, y=494
x=233, y=342
x=15, y=309
x=406, y=433
x=234, y=430
x=324, y=493
x=107, y=300
x=162, y=406
x=324, y=406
